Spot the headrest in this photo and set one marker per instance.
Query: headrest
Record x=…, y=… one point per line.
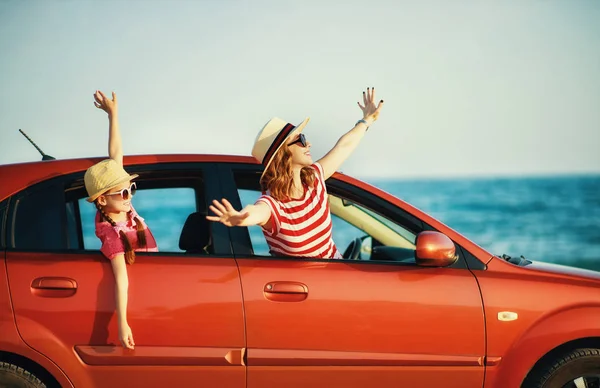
x=195, y=234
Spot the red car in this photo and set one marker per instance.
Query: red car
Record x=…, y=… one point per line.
x=413, y=304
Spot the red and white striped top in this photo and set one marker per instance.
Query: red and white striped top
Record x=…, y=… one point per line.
x=302, y=227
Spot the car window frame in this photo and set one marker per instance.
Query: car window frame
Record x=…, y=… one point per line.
x=240, y=237
x=4, y=205
x=74, y=182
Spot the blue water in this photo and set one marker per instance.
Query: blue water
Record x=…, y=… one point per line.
x=553, y=219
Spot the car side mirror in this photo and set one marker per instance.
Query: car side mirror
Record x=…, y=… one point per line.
x=434, y=249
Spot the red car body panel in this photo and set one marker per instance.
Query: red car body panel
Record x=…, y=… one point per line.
x=357, y=319
x=553, y=309
x=58, y=325
x=11, y=341
x=247, y=322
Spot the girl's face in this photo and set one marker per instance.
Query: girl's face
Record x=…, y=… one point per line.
x=118, y=199
x=300, y=150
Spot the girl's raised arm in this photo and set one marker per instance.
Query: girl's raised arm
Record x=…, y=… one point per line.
x=111, y=107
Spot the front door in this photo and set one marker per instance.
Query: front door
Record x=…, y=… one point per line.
x=185, y=304
x=325, y=323
x=378, y=320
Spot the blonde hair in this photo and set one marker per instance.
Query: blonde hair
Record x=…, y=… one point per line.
x=141, y=234
x=278, y=177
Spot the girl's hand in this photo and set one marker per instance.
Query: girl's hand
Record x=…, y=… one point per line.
x=370, y=110
x=106, y=104
x=126, y=336
x=226, y=214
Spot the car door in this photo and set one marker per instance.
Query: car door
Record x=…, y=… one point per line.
x=355, y=323
x=185, y=303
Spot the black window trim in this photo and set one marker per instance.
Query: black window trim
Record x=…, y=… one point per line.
x=4, y=208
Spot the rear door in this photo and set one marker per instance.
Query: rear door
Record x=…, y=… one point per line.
x=377, y=321
x=185, y=303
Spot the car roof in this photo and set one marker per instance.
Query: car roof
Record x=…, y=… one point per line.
x=17, y=176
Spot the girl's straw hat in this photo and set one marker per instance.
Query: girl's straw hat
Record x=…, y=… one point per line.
x=272, y=136
x=103, y=176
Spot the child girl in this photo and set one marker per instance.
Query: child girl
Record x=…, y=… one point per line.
x=118, y=226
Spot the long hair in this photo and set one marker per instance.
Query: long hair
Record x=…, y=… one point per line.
x=278, y=178
x=140, y=232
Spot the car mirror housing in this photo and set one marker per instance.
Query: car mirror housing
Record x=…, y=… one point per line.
x=434, y=249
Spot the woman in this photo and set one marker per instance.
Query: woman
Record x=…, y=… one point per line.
x=293, y=210
x=118, y=226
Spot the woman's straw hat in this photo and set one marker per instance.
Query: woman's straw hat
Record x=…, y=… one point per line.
x=272, y=136
x=103, y=176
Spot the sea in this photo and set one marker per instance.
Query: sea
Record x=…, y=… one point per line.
x=550, y=219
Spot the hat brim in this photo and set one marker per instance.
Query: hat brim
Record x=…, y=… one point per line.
x=114, y=184
x=298, y=129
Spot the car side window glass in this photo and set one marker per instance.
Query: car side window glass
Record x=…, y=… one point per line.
x=379, y=238
x=164, y=210
x=87, y=212
x=39, y=219
x=257, y=238
x=73, y=239
x=344, y=233
x=3, y=211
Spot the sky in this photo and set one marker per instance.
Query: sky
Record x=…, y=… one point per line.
x=471, y=88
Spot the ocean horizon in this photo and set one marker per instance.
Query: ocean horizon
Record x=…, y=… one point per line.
x=551, y=218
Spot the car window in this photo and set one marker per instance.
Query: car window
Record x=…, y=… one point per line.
x=257, y=238
x=164, y=210
x=380, y=227
x=343, y=232
x=38, y=222
x=351, y=222
x=171, y=198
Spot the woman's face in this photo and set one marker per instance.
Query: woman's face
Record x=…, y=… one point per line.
x=300, y=153
x=113, y=201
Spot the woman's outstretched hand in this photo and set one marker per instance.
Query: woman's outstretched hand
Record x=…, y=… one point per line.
x=226, y=214
x=370, y=110
x=106, y=104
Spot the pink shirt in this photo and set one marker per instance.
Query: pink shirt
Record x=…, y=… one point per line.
x=110, y=237
x=302, y=227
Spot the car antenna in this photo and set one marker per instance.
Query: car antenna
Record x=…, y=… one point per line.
x=44, y=156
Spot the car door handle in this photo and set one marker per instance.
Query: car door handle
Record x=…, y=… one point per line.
x=286, y=291
x=54, y=287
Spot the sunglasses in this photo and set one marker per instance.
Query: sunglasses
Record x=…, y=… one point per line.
x=301, y=139
x=126, y=193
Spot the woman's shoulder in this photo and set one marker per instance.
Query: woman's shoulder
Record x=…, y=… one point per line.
x=270, y=201
x=267, y=197
x=318, y=169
